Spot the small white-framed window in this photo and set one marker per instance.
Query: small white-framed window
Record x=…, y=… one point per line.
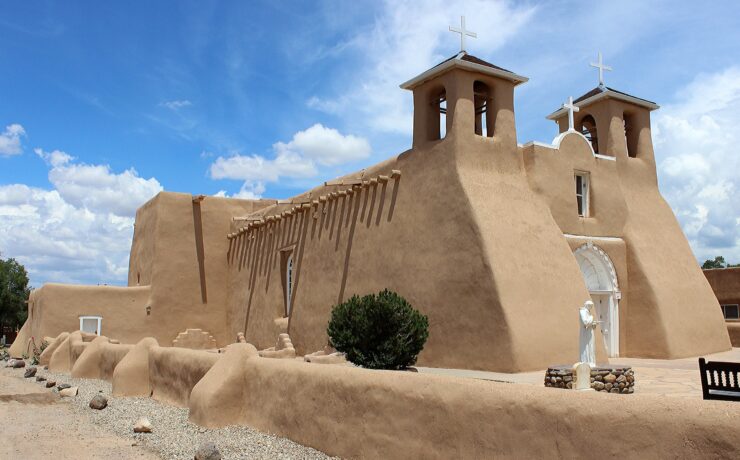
x=91, y=324
x=731, y=311
x=288, y=283
x=582, y=193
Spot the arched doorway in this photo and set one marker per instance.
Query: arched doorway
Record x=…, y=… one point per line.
x=601, y=282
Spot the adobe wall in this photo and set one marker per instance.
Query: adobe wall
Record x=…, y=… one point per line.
x=725, y=283
x=674, y=312
x=435, y=236
x=54, y=308
x=668, y=311
x=173, y=372
x=358, y=413
x=179, y=248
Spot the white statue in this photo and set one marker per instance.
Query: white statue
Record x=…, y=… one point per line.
x=587, y=341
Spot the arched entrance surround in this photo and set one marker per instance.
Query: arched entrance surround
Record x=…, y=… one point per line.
x=601, y=281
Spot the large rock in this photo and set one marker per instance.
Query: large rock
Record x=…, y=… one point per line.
x=143, y=425
x=63, y=386
x=98, y=402
x=51, y=384
x=30, y=372
x=68, y=392
x=207, y=451
x=16, y=363
x=40, y=378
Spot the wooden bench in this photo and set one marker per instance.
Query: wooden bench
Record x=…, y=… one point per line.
x=719, y=380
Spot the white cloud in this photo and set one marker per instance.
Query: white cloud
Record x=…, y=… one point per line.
x=176, y=104
x=80, y=230
x=96, y=187
x=10, y=140
x=696, y=143
x=326, y=146
x=298, y=159
x=397, y=49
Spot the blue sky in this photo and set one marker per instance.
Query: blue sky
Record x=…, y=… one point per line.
x=104, y=104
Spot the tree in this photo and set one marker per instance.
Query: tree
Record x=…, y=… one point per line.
x=378, y=331
x=718, y=262
x=14, y=293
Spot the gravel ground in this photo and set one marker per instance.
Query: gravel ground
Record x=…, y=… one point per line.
x=173, y=436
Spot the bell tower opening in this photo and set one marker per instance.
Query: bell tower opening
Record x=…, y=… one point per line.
x=588, y=129
x=439, y=115
x=482, y=102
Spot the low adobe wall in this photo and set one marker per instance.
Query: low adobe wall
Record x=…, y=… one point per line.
x=131, y=375
x=99, y=359
x=173, y=372
x=353, y=412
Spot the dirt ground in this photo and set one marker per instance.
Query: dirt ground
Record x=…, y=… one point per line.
x=36, y=424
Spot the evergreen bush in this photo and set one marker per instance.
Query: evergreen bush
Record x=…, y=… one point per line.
x=378, y=331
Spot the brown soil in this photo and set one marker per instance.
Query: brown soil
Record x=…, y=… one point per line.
x=36, y=424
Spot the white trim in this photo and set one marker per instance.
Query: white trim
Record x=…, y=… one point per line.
x=605, y=157
x=589, y=237
x=594, y=254
x=458, y=62
x=99, y=318
x=584, y=192
x=289, y=281
x=538, y=144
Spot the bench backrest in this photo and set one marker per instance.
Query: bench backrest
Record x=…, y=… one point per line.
x=719, y=380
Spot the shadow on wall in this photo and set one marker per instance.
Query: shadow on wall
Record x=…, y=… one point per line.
x=258, y=248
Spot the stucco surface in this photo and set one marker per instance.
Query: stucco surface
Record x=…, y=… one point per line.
x=59, y=361
x=358, y=413
x=99, y=359
x=131, y=375
x=214, y=399
x=173, y=372
x=45, y=356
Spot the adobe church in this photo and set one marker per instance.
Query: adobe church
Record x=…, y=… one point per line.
x=498, y=243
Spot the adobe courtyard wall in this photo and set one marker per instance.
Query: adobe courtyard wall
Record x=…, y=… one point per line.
x=173, y=372
x=725, y=283
x=359, y=413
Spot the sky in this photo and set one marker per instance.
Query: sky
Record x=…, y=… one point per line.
x=105, y=104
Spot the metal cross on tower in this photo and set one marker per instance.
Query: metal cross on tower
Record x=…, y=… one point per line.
x=601, y=68
x=571, y=108
x=463, y=32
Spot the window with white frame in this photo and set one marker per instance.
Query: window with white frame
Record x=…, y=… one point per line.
x=731, y=311
x=582, y=198
x=91, y=324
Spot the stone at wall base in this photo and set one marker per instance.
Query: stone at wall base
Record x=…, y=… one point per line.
x=604, y=378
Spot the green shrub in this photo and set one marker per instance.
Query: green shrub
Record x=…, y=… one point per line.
x=378, y=331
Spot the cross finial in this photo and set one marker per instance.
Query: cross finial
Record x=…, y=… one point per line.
x=463, y=32
x=601, y=68
x=571, y=108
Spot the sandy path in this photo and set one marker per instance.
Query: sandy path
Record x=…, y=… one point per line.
x=35, y=424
